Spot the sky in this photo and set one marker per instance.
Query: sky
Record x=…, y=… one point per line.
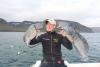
x=86, y=12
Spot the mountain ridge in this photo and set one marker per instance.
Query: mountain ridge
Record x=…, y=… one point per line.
x=23, y=26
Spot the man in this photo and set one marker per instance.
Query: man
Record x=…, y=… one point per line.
x=51, y=43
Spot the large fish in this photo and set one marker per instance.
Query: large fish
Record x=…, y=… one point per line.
x=33, y=31
x=29, y=34
x=78, y=41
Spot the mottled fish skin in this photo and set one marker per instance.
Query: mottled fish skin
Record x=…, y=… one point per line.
x=33, y=31
x=81, y=46
x=79, y=42
x=29, y=34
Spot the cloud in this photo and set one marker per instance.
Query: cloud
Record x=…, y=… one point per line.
x=82, y=11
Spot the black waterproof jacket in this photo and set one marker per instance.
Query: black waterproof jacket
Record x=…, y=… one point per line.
x=51, y=43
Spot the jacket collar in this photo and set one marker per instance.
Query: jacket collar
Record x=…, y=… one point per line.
x=53, y=32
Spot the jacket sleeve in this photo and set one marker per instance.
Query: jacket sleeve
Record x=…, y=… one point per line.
x=66, y=43
x=36, y=40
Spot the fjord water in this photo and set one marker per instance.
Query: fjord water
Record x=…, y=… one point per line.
x=14, y=52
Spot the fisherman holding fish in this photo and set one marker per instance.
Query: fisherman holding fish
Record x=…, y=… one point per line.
x=51, y=43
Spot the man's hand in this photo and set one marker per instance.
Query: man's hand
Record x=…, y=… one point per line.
x=63, y=32
x=66, y=34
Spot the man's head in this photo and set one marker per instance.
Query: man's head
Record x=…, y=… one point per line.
x=50, y=25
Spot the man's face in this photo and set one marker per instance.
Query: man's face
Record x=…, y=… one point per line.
x=50, y=27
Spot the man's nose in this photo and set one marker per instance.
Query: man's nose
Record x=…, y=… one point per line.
x=49, y=27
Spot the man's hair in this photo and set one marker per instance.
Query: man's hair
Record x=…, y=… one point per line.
x=46, y=21
x=51, y=21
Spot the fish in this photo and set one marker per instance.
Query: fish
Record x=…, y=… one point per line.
x=29, y=34
x=33, y=31
x=77, y=40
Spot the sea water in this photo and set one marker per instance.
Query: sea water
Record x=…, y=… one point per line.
x=15, y=53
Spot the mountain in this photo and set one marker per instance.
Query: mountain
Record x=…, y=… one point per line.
x=23, y=26
x=96, y=29
x=2, y=21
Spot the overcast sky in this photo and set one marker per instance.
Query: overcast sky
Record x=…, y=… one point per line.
x=87, y=12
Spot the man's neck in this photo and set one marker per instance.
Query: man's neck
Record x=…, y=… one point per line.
x=51, y=32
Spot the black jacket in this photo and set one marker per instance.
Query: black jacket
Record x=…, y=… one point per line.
x=51, y=42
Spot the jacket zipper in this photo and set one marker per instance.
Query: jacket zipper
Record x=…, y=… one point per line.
x=52, y=50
